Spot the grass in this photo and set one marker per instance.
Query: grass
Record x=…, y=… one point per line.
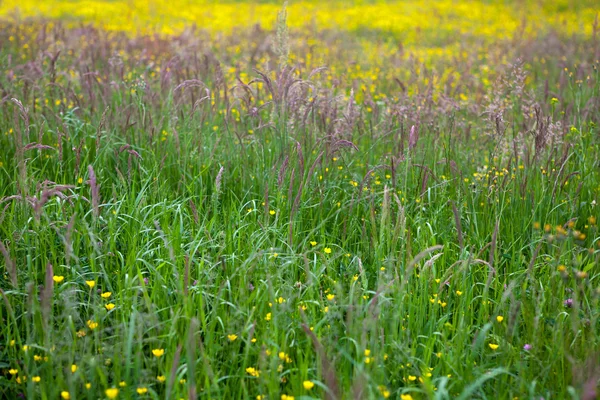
x=188, y=217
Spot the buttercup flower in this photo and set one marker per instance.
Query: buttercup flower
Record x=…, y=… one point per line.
x=158, y=352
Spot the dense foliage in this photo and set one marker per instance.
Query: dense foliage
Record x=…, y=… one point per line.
x=208, y=213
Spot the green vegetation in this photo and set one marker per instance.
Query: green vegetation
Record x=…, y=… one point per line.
x=176, y=222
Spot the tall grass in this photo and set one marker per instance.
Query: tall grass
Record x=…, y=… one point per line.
x=183, y=220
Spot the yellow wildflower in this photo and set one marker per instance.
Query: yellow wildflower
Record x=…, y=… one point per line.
x=158, y=352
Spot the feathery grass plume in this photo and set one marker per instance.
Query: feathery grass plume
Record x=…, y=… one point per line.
x=413, y=137
x=282, y=171
x=173, y=371
x=194, y=211
x=99, y=128
x=11, y=267
x=23, y=114
x=219, y=180
x=46, y=296
x=282, y=47
x=194, y=326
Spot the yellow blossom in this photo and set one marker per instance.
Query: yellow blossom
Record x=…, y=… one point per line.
x=91, y=324
x=141, y=390
x=109, y=306
x=36, y=379
x=232, y=337
x=73, y=368
x=499, y=318
x=493, y=346
x=65, y=395
x=91, y=284
x=327, y=250
x=111, y=393
x=330, y=297
x=308, y=385
x=158, y=352
x=161, y=378
x=106, y=295
x=58, y=278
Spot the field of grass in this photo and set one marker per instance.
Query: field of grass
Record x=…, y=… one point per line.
x=366, y=199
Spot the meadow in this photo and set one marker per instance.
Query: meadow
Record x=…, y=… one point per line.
x=345, y=199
